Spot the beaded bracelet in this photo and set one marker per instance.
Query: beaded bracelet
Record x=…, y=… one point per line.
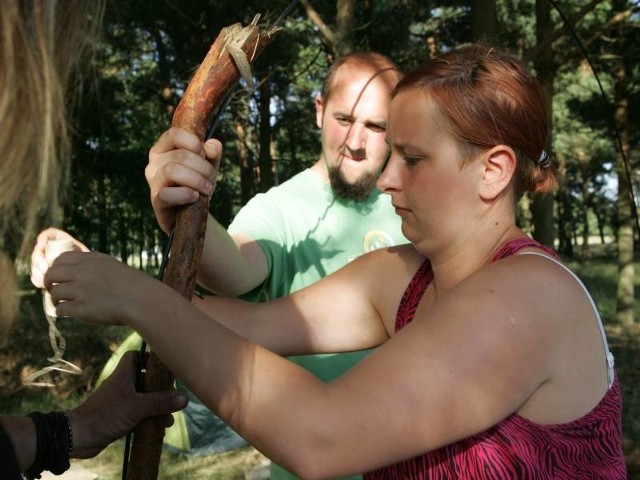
x=54, y=443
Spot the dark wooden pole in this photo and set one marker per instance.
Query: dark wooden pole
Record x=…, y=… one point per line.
x=215, y=77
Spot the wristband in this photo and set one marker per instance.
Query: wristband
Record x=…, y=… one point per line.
x=54, y=443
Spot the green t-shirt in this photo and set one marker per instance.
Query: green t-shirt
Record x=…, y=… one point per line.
x=306, y=234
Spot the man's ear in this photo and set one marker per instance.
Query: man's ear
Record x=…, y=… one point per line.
x=319, y=111
x=499, y=166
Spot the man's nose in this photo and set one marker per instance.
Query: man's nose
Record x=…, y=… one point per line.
x=356, y=137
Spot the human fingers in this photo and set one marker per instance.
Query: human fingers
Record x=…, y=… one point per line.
x=58, y=271
x=175, y=146
x=176, y=137
x=213, y=151
x=39, y=260
x=116, y=408
x=169, y=198
x=92, y=287
x=63, y=287
x=182, y=168
x=53, y=233
x=39, y=264
x=160, y=403
x=177, y=173
x=166, y=199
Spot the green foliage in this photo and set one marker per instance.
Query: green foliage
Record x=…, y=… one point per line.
x=149, y=51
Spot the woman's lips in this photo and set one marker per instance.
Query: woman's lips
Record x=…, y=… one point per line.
x=401, y=211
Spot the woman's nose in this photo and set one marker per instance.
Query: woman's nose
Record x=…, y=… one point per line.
x=389, y=179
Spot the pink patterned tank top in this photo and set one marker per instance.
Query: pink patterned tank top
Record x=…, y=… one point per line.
x=517, y=448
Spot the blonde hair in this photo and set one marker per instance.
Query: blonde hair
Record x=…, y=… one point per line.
x=41, y=41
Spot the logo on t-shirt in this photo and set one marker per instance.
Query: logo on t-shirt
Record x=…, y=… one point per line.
x=376, y=239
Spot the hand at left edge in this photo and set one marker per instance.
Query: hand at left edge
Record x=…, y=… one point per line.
x=115, y=409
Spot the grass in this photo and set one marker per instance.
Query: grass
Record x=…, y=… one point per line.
x=232, y=465
x=89, y=346
x=599, y=274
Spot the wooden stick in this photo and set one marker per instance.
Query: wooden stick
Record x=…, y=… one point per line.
x=215, y=77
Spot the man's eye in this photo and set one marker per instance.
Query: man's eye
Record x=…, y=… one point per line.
x=344, y=121
x=411, y=161
x=376, y=128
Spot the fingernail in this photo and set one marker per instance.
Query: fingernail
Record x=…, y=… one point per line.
x=179, y=400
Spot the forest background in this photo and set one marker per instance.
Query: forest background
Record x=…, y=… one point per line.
x=585, y=52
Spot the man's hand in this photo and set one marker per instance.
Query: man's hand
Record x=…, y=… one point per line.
x=180, y=168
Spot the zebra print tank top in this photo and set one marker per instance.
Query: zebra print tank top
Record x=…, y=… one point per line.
x=517, y=448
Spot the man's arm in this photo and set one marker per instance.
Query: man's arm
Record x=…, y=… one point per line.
x=231, y=264
x=180, y=169
x=359, y=314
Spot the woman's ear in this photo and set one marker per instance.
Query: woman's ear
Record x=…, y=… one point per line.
x=499, y=167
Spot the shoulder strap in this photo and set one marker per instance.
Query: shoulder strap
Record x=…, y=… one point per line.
x=518, y=244
x=610, y=360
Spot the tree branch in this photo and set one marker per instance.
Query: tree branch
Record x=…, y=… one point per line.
x=328, y=35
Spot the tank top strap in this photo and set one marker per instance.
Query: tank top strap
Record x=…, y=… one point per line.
x=518, y=244
x=413, y=294
x=610, y=359
x=424, y=275
x=514, y=246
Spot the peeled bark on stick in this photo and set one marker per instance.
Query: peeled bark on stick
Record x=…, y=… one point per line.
x=229, y=57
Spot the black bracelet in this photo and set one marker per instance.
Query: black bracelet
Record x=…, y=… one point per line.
x=69, y=434
x=54, y=443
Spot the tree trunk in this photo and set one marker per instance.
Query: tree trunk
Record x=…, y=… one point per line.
x=103, y=213
x=247, y=177
x=122, y=236
x=583, y=160
x=164, y=74
x=542, y=205
x=340, y=40
x=484, y=21
x=626, y=270
x=141, y=239
x=345, y=22
x=565, y=214
x=584, y=250
x=265, y=136
x=600, y=220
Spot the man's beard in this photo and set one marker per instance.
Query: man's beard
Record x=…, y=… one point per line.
x=357, y=191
